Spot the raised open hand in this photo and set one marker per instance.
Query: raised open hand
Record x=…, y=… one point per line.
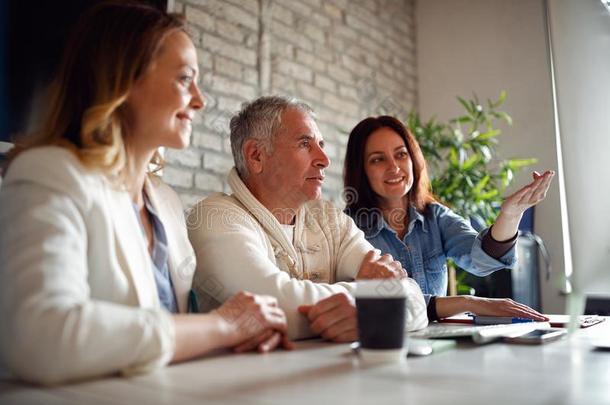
x=529, y=195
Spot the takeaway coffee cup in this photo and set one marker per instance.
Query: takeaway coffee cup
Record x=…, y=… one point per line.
x=381, y=306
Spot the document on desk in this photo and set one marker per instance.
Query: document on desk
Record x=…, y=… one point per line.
x=468, y=318
x=498, y=320
x=459, y=318
x=562, y=321
x=479, y=333
x=556, y=321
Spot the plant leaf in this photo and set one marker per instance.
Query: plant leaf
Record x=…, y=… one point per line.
x=470, y=161
x=489, y=134
x=516, y=164
x=482, y=183
x=462, y=120
x=489, y=194
x=501, y=99
x=501, y=115
x=466, y=105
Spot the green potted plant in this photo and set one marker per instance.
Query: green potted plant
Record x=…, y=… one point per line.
x=466, y=173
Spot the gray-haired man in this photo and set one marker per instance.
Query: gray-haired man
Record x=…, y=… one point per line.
x=274, y=235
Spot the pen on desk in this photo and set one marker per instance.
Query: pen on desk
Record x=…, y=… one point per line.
x=496, y=320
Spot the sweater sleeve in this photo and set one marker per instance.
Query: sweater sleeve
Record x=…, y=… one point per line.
x=353, y=246
x=233, y=255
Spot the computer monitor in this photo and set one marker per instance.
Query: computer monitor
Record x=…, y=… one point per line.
x=579, y=33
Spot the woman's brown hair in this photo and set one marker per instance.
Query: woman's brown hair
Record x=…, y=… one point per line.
x=360, y=197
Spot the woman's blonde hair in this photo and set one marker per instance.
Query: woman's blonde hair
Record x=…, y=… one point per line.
x=110, y=48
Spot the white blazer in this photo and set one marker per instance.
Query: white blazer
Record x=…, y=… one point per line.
x=77, y=291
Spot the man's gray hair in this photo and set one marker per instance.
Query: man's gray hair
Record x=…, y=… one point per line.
x=260, y=119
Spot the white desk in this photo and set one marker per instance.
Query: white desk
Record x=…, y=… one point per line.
x=562, y=372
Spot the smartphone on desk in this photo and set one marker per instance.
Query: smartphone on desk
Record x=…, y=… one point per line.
x=538, y=337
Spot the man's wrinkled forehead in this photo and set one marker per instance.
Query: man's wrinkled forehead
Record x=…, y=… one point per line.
x=296, y=122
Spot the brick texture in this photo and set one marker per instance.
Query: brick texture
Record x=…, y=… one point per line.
x=347, y=59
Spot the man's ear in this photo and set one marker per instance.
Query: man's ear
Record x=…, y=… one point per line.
x=255, y=156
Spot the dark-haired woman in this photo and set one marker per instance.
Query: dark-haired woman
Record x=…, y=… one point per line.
x=96, y=262
x=389, y=198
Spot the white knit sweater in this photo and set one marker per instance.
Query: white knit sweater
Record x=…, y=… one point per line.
x=240, y=245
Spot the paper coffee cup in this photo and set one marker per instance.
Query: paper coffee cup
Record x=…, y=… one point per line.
x=381, y=307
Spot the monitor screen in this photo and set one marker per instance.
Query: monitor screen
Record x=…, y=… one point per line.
x=581, y=55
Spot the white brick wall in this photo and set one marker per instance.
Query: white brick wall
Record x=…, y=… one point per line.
x=347, y=58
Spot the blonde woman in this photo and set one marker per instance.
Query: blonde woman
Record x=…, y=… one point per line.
x=96, y=263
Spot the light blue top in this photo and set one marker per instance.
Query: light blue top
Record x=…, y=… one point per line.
x=431, y=239
x=160, y=259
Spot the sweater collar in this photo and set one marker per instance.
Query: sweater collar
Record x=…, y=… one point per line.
x=264, y=217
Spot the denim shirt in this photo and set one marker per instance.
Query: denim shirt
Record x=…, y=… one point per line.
x=431, y=239
x=160, y=259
